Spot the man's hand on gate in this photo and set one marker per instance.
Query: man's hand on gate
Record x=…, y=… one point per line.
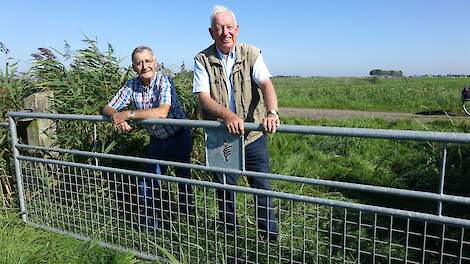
x=235, y=124
x=270, y=123
x=124, y=126
x=119, y=117
x=119, y=121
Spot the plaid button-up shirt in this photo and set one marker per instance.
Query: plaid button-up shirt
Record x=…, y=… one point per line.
x=160, y=91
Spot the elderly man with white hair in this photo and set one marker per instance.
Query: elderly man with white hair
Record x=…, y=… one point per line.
x=153, y=95
x=234, y=85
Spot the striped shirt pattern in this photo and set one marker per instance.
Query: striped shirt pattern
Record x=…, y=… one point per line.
x=160, y=91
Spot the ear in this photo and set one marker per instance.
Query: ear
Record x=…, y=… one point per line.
x=155, y=63
x=210, y=32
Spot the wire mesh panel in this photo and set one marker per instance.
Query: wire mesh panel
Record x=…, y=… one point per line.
x=155, y=218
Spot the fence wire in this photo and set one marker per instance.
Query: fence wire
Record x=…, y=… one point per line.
x=108, y=207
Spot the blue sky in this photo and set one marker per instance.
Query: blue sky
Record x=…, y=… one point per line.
x=308, y=38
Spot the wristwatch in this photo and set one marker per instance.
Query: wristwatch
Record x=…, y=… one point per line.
x=273, y=112
x=131, y=115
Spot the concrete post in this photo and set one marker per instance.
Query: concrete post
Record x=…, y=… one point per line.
x=41, y=132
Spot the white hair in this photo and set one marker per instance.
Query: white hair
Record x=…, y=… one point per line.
x=220, y=8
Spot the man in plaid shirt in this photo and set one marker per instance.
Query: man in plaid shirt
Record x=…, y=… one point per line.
x=153, y=95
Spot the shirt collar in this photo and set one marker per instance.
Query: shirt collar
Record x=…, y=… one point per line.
x=152, y=82
x=230, y=55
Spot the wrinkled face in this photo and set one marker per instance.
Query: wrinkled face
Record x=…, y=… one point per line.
x=224, y=31
x=145, y=65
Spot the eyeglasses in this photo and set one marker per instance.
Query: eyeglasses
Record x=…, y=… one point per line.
x=220, y=29
x=143, y=62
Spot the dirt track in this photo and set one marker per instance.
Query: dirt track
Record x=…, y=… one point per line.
x=315, y=113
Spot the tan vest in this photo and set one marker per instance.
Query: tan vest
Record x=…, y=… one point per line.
x=248, y=97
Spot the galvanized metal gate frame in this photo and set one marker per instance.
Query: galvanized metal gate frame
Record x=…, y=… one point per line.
x=338, y=251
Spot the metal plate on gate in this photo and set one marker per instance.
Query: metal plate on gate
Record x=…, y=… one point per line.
x=223, y=149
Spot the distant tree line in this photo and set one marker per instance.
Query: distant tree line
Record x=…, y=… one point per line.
x=379, y=72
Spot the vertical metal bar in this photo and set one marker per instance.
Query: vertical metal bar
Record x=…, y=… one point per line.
x=407, y=240
x=188, y=216
x=53, y=217
x=206, y=228
x=196, y=222
x=374, y=238
x=108, y=201
x=225, y=222
x=279, y=244
x=116, y=204
x=95, y=142
x=78, y=194
x=124, y=225
x=178, y=217
x=19, y=178
x=216, y=233
x=90, y=206
x=304, y=237
x=129, y=189
x=71, y=200
x=462, y=238
x=151, y=228
x=95, y=202
x=38, y=199
x=344, y=234
x=390, y=240
x=255, y=198
x=241, y=143
x=317, y=231
x=38, y=212
x=442, y=179
x=170, y=210
x=331, y=236
x=63, y=200
x=48, y=199
x=424, y=242
x=443, y=236
x=292, y=231
x=162, y=219
x=359, y=238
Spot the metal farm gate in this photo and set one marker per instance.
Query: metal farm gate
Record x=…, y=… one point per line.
x=89, y=201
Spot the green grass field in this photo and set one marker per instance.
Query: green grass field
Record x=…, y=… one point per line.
x=23, y=244
x=373, y=94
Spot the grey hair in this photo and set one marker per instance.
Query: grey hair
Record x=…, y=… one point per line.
x=140, y=49
x=220, y=8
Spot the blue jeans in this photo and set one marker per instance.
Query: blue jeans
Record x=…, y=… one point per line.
x=256, y=159
x=177, y=148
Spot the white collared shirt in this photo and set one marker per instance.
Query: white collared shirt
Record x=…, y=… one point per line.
x=201, y=77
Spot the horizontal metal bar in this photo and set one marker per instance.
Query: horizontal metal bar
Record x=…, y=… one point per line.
x=102, y=118
x=294, y=179
x=462, y=138
x=448, y=137
x=4, y=125
x=294, y=197
x=84, y=238
x=94, y=118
